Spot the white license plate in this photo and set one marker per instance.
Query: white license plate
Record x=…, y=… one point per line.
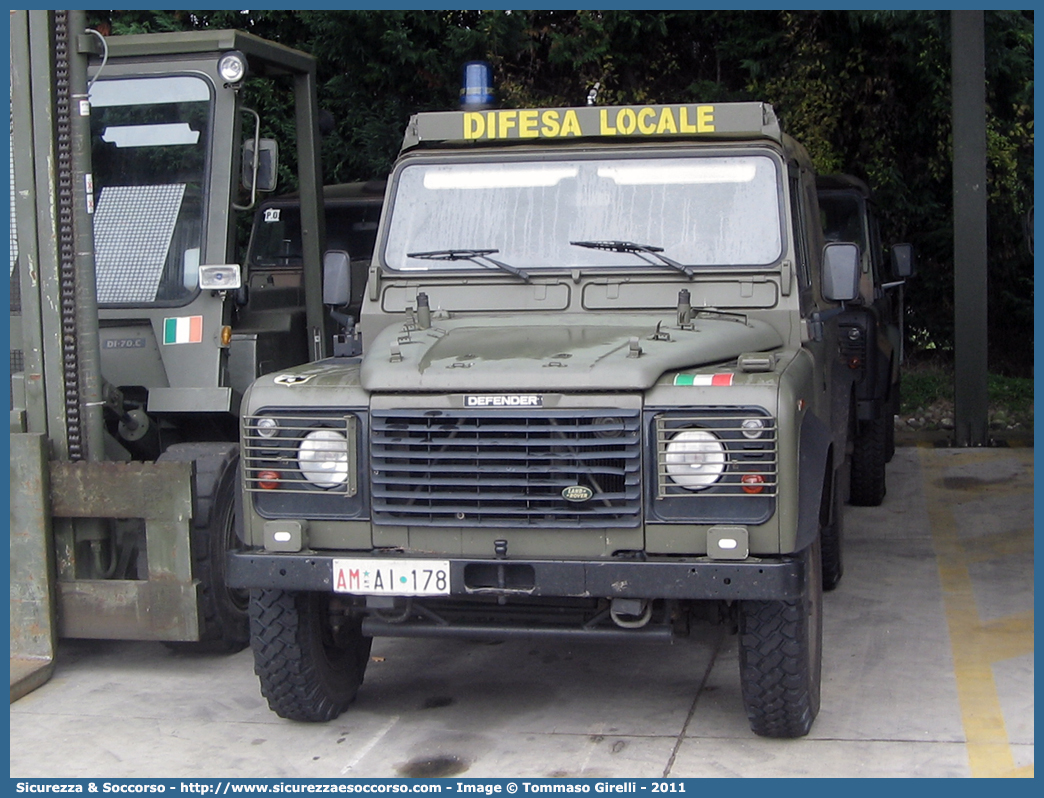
x=392, y=577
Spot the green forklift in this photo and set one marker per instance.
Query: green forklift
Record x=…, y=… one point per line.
x=134, y=328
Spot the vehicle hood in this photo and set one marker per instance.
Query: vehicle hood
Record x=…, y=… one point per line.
x=552, y=352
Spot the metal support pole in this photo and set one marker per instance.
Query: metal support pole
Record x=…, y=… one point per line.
x=24, y=209
x=32, y=605
x=313, y=216
x=969, y=228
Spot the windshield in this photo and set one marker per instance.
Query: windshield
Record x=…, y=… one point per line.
x=707, y=210
x=842, y=219
x=149, y=143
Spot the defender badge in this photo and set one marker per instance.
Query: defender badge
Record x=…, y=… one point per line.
x=504, y=400
x=577, y=493
x=292, y=379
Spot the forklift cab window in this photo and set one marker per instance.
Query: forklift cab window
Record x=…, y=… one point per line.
x=149, y=142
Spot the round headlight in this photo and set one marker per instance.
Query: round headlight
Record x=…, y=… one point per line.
x=695, y=459
x=232, y=66
x=323, y=458
x=752, y=427
x=267, y=427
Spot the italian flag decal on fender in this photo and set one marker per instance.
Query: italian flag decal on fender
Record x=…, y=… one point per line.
x=183, y=330
x=703, y=380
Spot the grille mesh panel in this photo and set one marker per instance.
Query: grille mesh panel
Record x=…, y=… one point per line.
x=506, y=468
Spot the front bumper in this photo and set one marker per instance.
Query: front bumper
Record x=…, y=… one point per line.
x=781, y=578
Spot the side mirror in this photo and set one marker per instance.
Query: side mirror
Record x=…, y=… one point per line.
x=903, y=260
x=267, y=165
x=337, y=278
x=840, y=271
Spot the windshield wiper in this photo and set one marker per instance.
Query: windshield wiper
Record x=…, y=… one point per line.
x=636, y=249
x=474, y=255
x=724, y=315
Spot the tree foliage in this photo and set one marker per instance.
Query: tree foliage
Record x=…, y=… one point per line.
x=867, y=92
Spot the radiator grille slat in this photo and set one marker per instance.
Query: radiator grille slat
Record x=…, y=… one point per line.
x=506, y=467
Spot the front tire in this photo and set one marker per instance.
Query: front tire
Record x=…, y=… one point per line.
x=309, y=669
x=781, y=657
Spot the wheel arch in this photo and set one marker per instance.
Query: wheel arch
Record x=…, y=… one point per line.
x=815, y=462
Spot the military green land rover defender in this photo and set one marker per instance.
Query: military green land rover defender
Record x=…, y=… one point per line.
x=871, y=329
x=602, y=392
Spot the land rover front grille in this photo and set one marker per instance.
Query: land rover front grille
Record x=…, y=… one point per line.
x=537, y=468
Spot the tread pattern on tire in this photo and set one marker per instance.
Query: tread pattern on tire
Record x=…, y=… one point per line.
x=868, y=463
x=296, y=679
x=780, y=668
x=776, y=691
x=224, y=629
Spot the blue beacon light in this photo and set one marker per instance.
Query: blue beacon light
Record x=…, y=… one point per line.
x=476, y=92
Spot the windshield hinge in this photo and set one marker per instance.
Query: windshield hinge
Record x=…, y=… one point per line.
x=786, y=276
x=374, y=281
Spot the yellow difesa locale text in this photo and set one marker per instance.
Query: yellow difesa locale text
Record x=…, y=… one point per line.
x=554, y=123
x=653, y=121
x=530, y=123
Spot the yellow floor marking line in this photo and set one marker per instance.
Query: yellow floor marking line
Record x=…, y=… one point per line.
x=977, y=644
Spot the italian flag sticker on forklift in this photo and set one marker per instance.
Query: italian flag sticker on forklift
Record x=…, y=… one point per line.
x=183, y=330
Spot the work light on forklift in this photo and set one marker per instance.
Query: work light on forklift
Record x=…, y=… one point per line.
x=232, y=66
x=226, y=277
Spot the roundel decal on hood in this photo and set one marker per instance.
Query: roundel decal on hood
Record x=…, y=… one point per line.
x=577, y=493
x=292, y=379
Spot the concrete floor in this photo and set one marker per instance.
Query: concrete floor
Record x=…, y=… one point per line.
x=928, y=671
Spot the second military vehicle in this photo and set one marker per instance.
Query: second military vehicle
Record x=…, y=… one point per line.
x=871, y=329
